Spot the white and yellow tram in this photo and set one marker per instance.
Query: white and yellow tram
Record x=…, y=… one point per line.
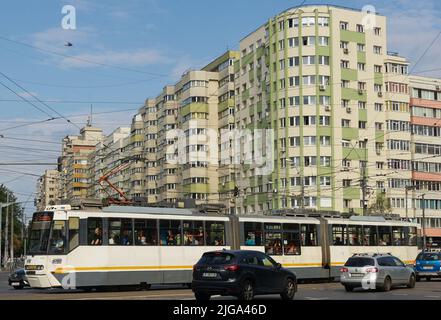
x=121, y=246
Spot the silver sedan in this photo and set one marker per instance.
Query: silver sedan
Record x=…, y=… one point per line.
x=376, y=271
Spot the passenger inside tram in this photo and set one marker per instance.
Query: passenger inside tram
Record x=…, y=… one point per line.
x=142, y=238
x=97, y=237
x=125, y=241
x=291, y=248
x=338, y=241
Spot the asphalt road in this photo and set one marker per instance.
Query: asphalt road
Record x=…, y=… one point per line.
x=320, y=291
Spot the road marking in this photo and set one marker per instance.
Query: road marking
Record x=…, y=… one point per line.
x=311, y=298
x=433, y=297
x=135, y=297
x=399, y=294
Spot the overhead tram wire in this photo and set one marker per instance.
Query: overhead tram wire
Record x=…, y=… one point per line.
x=82, y=59
x=39, y=100
x=26, y=100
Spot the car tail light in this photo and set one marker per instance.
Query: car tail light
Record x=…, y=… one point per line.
x=232, y=268
x=344, y=270
x=373, y=270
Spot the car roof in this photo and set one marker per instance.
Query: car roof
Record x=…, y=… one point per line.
x=234, y=252
x=371, y=255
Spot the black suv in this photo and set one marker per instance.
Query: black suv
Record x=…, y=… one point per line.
x=243, y=274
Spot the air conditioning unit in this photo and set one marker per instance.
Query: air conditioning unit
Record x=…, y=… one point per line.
x=380, y=94
x=345, y=51
x=327, y=108
x=348, y=110
x=322, y=88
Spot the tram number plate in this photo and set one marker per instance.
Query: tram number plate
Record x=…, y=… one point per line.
x=209, y=275
x=428, y=268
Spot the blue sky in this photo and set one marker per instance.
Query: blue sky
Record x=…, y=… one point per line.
x=155, y=37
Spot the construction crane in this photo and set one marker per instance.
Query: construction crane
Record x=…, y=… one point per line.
x=105, y=178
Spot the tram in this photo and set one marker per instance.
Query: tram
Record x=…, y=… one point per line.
x=142, y=246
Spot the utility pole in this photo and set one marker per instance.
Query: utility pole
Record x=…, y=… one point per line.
x=5, y=252
x=11, y=245
x=364, y=186
x=424, y=222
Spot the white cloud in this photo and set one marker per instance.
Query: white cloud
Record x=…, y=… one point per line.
x=54, y=39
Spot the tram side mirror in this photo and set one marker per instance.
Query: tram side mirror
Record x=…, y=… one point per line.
x=278, y=266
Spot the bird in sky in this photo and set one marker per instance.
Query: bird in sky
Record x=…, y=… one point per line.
x=68, y=44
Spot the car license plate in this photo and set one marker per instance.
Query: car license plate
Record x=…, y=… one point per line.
x=15, y=284
x=357, y=275
x=209, y=275
x=428, y=268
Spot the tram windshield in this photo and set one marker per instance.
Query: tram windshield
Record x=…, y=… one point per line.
x=47, y=236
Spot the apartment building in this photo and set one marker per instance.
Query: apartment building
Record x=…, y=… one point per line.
x=178, y=156
x=48, y=186
x=318, y=78
x=425, y=105
x=108, y=154
x=74, y=163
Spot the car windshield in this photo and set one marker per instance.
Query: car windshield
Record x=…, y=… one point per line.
x=360, y=262
x=429, y=256
x=216, y=258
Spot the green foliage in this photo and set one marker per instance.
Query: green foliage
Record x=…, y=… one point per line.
x=381, y=205
x=18, y=211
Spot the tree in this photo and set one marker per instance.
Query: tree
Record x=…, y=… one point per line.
x=18, y=211
x=381, y=205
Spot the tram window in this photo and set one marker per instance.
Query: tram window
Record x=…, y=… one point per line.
x=193, y=233
x=384, y=235
x=398, y=237
x=74, y=233
x=95, y=231
x=215, y=233
x=370, y=236
x=57, y=242
x=146, y=233
x=339, y=235
x=120, y=232
x=273, y=238
x=170, y=232
x=355, y=235
x=309, y=235
x=291, y=239
x=253, y=233
x=411, y=236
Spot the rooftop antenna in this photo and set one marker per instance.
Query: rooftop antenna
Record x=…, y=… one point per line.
x=89, y=119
